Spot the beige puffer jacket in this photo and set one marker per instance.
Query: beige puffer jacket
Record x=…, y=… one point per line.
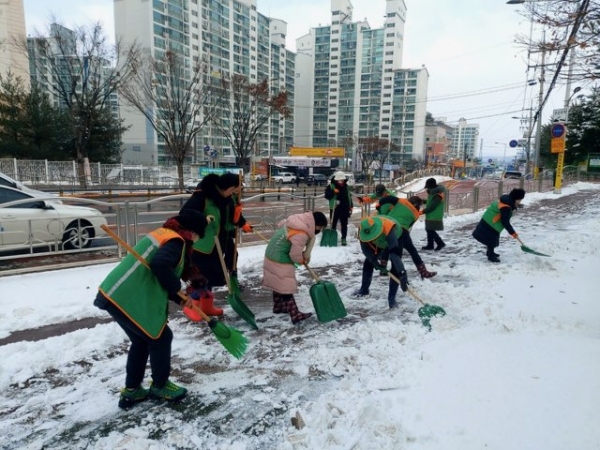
x=281, y=277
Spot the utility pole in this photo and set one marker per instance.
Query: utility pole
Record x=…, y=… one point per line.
x=561, y=156
x=538, y=133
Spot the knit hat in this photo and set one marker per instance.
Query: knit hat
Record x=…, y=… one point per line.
x=430, y=183
x=339, y=176
x=379, y=189
x=517, y=194
x=370, y=229
x=192, y=220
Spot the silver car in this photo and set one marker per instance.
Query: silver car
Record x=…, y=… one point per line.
x=28, y=221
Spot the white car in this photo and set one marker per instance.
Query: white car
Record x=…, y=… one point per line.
x=40, y=223
x=285, y=177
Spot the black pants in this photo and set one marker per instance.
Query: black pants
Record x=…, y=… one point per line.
x=341, y=214
x=433, y=236
x=367, y=277
x=407, y=243
x=142, y=347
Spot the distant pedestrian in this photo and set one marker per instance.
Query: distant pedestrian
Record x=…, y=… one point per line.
x=137, y=297
x=434, y=214
x=297, y=180
x=497, y=218
x=291, y=244
x=340, y=203
x=377, y=234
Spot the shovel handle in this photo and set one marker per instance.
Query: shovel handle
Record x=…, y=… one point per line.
x=141, y=259
x=222, y=261
x=312, y=273
x=260, y=235
x=410, y=291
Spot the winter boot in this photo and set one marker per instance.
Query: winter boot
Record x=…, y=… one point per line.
x=206, y=304
x=279, y=306
x=170, y=392
x=130, y=397
x=344, y=243
x=428, y=247
x=295, y=314
x=491, y=256
x=192, y=314
x=424, y=272
x=441, y=245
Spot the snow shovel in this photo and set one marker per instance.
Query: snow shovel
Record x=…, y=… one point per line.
x=329, y=238
x=235, y=300
x=529, y=250
x=326, y=300
x=427, y=311
x=233, y=340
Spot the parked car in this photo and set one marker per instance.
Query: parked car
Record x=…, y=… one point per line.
x=40, y=223
x=318, y=179
x=191, y=184
x=284, y=177
x=5, y=180
x=511, y=175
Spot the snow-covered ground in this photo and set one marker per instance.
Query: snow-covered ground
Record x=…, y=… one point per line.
x=515, y=364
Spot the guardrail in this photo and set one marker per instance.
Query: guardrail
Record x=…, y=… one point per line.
x=134, y=219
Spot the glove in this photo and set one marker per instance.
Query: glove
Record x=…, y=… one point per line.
x=237, y=213
x=515, y=235
x=421, y=213
x=382, y=270
x=247, y=228
x=403, y=281
x=336, y=191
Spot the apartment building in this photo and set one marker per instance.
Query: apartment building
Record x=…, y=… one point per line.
x=437, y=142
x=464, y=140
x=350, y=84
x=12, y=28
x=230, y=37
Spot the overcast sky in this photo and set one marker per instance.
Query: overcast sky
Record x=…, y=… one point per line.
x=467, y=46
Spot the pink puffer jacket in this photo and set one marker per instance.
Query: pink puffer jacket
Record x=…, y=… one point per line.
x=280, y=277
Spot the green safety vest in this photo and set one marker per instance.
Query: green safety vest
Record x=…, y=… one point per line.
x=403, y=212
x=492, y=215
x=207, y=243
x=279, y=246
x=438, y=212
x=380, y=241
x=136, y=292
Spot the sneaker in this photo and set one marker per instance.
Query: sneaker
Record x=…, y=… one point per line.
x=344, y=242
x=169, y=392
x=130, y=397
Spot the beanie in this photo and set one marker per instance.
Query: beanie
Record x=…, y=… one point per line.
x=430, y=183
x=192, y=220
x=517, y=194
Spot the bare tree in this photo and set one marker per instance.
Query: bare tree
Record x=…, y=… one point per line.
x=569, y=25
x=373, y=153
x=246, y=109
x=173, y=97
x=83, y=70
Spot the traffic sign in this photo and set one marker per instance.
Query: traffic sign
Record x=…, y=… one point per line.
x=558, y=130
x=513, y=144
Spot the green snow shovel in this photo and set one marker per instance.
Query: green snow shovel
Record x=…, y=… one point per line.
x=326, y=299
x=235, y=301
x=427, y=311
x=329, y=238
x=530, y=250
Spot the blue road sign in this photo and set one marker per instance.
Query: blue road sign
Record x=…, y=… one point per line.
x=513, y=143
x=558, y=130
x=206, y=148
